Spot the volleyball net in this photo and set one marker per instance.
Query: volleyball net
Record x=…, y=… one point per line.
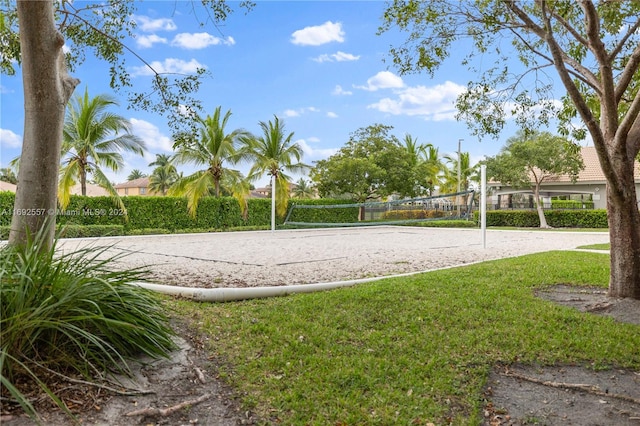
x=454, y=206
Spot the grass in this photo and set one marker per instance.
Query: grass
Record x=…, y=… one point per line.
x=606, y=246
x=409, y=350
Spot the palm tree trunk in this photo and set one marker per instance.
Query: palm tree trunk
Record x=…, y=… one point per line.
x=83, y=181
x=273, y=203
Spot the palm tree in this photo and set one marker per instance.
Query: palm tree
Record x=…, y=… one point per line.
x=161, y=160
x=467, y=172
x=450, y=183
x=162, y=179
x=413, y=149
x=274, y=153
x=303, y=189
x=432, y=167
x=212, y=147
x=163, y=176
x=93, y=138
x=135, y=174
x=8, y=174
x=421, y=165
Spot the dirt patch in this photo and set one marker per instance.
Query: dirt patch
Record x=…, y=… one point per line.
x=183, y=390
x=568, y=394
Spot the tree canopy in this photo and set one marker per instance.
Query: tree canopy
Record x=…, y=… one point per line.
x=591, y=48
x=372, y=164
x=53, y=37
x=528, y=160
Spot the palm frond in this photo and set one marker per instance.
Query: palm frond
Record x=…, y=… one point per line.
x=67, y=179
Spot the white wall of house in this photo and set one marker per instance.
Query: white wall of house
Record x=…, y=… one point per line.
x=597, y=190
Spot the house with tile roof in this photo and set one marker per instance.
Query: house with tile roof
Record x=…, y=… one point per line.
x=92, y=190
x=138, y=186
x=591, y=184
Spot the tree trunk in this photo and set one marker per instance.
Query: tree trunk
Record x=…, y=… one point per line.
x=543, y=219
x=624, y=234
x=83, y=180
x=47, y=89
x=273, y=202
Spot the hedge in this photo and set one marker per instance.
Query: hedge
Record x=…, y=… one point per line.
x=571, y=204
x=413, y=214
x=148, y=215
x=555, y=218
x=164, y=213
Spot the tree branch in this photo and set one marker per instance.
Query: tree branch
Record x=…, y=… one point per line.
x=592, y=389
x=169, y=410
x=616, y=50
x=573, y=92
x=629, y=72
x=608, y=105
x=542, y=33
x=630, y=125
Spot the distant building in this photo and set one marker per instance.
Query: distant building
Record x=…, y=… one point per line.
x=6, y=186
x=138, y=186
x=92, y=190
x=591, y=183
x=265, y=192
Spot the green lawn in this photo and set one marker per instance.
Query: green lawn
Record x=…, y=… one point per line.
x=409, y=350
x=606, y=246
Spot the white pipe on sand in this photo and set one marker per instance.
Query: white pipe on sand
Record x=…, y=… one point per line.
x=234, y=294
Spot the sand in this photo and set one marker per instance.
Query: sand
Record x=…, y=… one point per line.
x=284, y=257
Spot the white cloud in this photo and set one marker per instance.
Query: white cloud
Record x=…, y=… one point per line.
x=199, y=40
x=332, y=114
x=338, y=90
x=298, y=112
x=147, y=41
x=149, y=25
x=170, y=65
x=8, y=139
x=316, y=154
x=319, y=34
x=151, y=135
x=4, y=90
x=434, y=103
x=337, y=57
x=382, y=80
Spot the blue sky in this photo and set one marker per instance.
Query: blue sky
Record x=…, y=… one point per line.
x=318, y=65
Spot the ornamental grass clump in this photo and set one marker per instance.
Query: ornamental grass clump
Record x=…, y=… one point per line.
x=70, y=315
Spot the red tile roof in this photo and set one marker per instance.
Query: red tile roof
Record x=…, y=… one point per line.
x=136, y=183
x=592, y=171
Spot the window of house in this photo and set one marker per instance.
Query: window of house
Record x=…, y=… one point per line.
x=143, y=191
x=126, y=191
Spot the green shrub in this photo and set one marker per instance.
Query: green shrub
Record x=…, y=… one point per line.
x=6, y=207
x=73, y=313
x=446, y=224
x=555, y=218
x=77, y=231
x=148, y=231
x=83, y=231
x=571, y=204
x=412, y=214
